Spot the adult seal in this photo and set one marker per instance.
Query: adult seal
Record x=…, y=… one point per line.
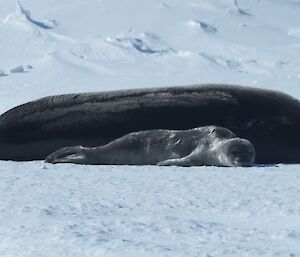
x=209, y=145
x=270, y=120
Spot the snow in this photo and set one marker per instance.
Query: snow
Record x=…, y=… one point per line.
x=68, y=210
x=53, y=47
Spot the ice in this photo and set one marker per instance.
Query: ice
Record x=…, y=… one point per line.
x=20, y=11
x=54, y=47
x=18, y=69
x=2, y=73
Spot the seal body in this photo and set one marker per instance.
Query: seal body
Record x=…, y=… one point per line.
x=209, y=145
x=270, y=120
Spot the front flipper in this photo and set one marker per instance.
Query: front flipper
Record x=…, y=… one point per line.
x=184, y=162
x=73, y=154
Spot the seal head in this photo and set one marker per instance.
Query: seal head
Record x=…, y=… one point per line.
x=236, y=152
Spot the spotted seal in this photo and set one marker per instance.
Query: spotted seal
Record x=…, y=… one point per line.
x=208, y=145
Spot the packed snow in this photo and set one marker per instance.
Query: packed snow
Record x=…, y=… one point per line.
x=54, y=47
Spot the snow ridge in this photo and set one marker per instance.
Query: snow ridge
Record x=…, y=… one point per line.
x=26, y=14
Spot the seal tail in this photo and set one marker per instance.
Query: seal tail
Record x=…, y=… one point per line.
x=74, y=154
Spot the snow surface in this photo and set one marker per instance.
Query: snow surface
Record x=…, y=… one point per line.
x=53, y=47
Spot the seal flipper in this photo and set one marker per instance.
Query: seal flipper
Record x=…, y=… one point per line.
x=184, y=162
x=195, y=158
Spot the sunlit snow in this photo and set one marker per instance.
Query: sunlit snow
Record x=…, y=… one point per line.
x=53, y=47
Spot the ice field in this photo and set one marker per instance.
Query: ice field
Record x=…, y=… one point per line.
x=54, y=47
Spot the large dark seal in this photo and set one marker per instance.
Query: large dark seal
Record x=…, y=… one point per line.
x=270, y=120
x=209, y=145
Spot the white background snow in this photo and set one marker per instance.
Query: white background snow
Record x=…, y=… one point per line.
x=53, y=47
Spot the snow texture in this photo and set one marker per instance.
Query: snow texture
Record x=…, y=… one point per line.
x=54, y=47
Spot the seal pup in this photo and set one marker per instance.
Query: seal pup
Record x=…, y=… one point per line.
x=209, y=145
x=270, y=120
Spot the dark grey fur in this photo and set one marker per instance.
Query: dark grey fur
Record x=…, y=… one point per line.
x=209, y=145
x=270, y=120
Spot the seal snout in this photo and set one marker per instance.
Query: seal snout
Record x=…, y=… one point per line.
x=244, y=162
